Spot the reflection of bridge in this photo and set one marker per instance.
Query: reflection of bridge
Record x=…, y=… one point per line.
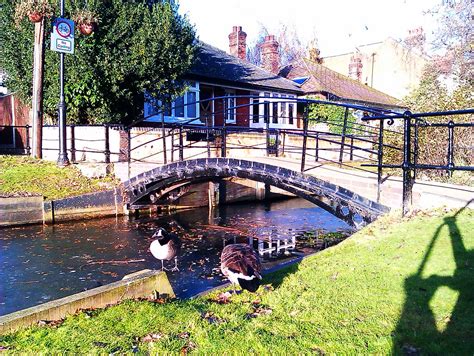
x=349, y=206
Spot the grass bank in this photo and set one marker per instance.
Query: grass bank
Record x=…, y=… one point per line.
x=398, y=285
x=26, y=176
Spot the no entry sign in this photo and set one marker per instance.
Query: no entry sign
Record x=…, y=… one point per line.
x=62, y=37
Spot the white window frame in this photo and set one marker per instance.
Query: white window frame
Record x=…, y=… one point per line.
x=271, y=98
x=150, y=109
x=230, y=108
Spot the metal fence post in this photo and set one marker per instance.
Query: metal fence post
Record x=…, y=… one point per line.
x=181, y=148
x=224, y=142
x=343, y=136
x=380, y=159
x=316, y=153
x=305, y=137
x=415, y=149
x=28, y=146
x=129, y=151
x=450, y=147
x=163, y=135
x=277, y=139
x=406, y=166
x=73, y=143
x=107, y=144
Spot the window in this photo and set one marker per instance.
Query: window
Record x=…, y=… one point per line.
x=275, y=113
x=230, y=110
x=266, y=112
x=184, y=107
x=266, y=109
x=290, y=114
x=255, y=111
x=283, y=106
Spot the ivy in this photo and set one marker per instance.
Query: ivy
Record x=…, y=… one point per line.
x=139, y=47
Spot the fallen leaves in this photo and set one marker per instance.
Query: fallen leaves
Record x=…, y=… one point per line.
x=50, y=323
x=211, y=318
x=152, y=337
x=259, y=310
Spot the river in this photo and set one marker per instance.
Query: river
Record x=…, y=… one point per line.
x=42, y=263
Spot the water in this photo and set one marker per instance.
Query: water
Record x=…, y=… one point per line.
x=43, y=263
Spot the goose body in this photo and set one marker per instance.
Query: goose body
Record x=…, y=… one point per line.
x=166, y=246
x=241, y=264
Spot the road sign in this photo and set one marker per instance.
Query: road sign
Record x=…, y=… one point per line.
x=62, y=37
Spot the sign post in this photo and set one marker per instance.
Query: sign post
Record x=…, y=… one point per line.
x=62, y=41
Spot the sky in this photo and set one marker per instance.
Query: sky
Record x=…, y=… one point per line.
x=339, y=25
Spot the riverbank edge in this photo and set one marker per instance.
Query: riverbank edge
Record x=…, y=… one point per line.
x=140, y=284
x=16, y=211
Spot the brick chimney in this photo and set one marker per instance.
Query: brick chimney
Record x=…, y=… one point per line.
x=237, y=43
x=270, y=55
x=355, y=67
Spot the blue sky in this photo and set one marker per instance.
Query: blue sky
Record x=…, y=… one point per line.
x=339, y=25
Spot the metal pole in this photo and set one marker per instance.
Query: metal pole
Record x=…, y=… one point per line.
x=73, y=143
x=28, y=147
x=163, y=134
x=62, y=158
x=305, y=137
x=379, y=160
x=406, y=166
x=416, y=148
x=450, y=147
x=107, y=144
x=181, y=148
x=316, y=154
x=224, y=142
x=343, y=136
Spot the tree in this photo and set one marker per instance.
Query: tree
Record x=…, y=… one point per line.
x=454, y=39
x=333, y=116
x=139, y=47
x=291, y=46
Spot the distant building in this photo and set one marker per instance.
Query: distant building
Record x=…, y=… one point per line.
x=389, y=66
x=231, y=79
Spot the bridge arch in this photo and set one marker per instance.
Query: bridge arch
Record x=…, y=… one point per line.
x=345, y=204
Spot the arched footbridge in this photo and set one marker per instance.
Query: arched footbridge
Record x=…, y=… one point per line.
x=148, y=187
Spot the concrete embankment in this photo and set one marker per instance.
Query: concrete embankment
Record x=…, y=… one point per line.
x=141, y=284
x=33, y=210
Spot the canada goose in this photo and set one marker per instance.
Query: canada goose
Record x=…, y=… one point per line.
x=240, y=263
x=165, y=247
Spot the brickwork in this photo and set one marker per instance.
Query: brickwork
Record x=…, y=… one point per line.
x=237, y=43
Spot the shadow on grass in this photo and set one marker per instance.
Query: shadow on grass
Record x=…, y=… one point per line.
x=275, y=276
x=417, y=332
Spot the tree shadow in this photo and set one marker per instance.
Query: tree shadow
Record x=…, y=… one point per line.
x=417, y=332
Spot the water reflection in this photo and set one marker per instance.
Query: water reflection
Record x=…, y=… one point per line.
x=41, y=263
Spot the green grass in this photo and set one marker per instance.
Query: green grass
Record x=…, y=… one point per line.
x=397, y=286
x=25, y=176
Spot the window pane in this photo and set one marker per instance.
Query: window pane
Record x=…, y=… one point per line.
x=191, y=104
x=179, y=107
x=231, y=110
x=290, y=114
x=275, y=113
x=256, y=113
x=167, y=109
x=266, y=112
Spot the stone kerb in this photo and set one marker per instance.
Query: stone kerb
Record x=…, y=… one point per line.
x=137, y=285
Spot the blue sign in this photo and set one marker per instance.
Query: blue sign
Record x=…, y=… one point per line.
x=62, y=37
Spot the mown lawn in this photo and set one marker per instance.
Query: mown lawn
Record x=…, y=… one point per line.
x=403, y=286
x=26, y=176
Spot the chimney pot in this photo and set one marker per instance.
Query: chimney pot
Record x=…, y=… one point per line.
x=237, y=43
x=270, y=55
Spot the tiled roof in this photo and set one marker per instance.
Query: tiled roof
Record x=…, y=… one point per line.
x=323, y=80
x=216, y=65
